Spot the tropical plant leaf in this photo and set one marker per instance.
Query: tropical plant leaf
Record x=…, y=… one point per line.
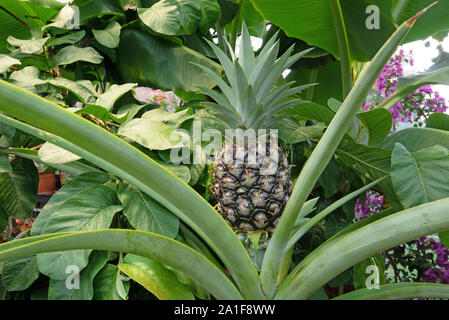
x=58, y=289
x=33, y=14
x=69, y=190
x=145, y=213
x=157, y=279
x=90, y=209
x=421, y=176
x=71, y=54
x=51, y=153
x=397, y=291
x=414, y=139
x=18, y=190
x=110, y=36
x=162, y=249
x=115, y=92
x=378, y=123
x=19, y=274
x=7, y=62
x=5, y=166
x=107, y=282
x=166, y=66
x=174, y=119
x=30, y=46
x=318, y=29
x=152, y=134
x=438, y=120
x=90, y=9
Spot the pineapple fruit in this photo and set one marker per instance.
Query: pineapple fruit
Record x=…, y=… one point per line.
x=251, y=197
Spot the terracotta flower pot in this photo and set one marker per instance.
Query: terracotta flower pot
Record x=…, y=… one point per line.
x=47, y=183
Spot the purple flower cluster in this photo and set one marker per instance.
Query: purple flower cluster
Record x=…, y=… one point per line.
x=388, y=79
x=419, y=104
x=373, y=204
x=440, y=272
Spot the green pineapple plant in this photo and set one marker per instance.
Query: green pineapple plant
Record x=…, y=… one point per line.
x=252, y=177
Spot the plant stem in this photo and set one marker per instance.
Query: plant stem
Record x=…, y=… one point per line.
x=235, y=26
x=16, y=18
x=343, y=46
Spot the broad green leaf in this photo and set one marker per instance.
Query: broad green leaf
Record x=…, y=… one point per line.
x=3, y=219
x=325, y=76
x=110, y=36
x=181, y=171
x=70, y=38
x=50, y=153
x=78, y=88
x=71, y=54
x=378, y=123
x=312, y=111
x=432, y=22
x=27, y=77
x=172, y=17
x=58, y=290
x=145, y=214
x=68, y=190
x=159, y=248
x=19, y=274
x=18, y=190
x=152, y=134
x=33, y=14
x=312, y=21
x=291, y=132
x=90, y=209
x=375, y=162
x=31, y=46
x=6, y=62
x=157, y=279
x=438, y=121
x=444, y=237
x=5, y=166
x=166, y=66
x=114, y=93
x=397, y=291
x=102, y=113
x=63, y=19
x=174, y=119
x=414, y=139
x=106, y=283
x=330, y=178
x=90, y=9
x=421, y=176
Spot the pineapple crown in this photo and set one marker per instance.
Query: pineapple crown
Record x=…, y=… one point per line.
x=249, y=98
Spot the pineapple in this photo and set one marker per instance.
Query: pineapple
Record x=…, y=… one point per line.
x=252, y=188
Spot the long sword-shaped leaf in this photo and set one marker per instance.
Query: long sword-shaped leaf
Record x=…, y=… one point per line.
x=146, y=244
x=127, y=162
x=398, y=291
x=309, y=224
x=323, y=153
x=336, y=256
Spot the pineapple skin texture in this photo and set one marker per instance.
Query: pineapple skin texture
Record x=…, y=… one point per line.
x=248, y=198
